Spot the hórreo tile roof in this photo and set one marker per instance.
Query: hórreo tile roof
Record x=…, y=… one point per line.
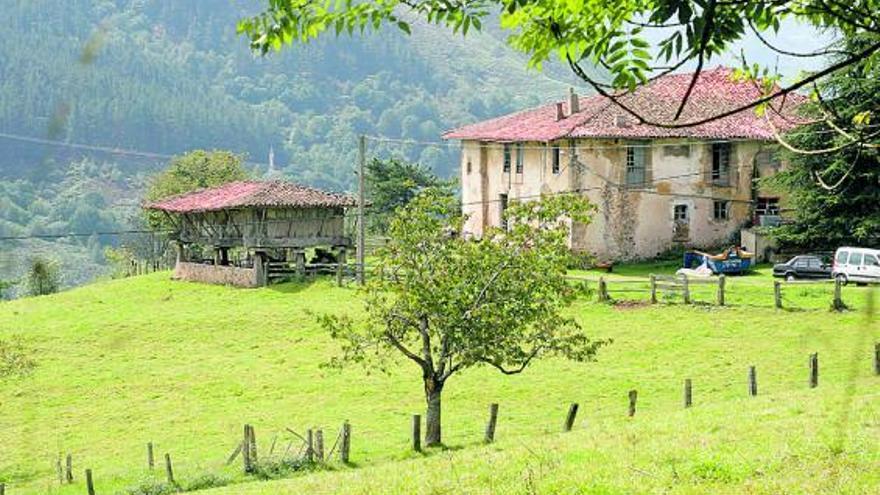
x=715, y=92
x=245, y=194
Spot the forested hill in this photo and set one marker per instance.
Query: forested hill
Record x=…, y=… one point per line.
x=166, y=76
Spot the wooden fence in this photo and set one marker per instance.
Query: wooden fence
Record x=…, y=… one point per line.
x=310, y=449
x=682, y=287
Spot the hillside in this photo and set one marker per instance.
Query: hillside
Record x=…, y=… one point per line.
x=185, y=365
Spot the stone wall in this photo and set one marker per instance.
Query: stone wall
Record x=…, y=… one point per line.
x=212, y=274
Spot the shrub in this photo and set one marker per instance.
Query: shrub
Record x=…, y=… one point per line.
x=272, y=469
x=206, y=481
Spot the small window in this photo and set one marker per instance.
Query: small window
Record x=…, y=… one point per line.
x=555, y=160
x=519, y=158
x=871, y=260
x=506, y=158
x=841, y=257
x=801, y=263
x=722, y=210
x=767, y=206
x=680, y=213
x=814, y=263
x=636, y=165
x=468, y=166
x=721, y=164
x=855, y=259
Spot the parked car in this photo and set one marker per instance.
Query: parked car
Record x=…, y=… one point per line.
x=860, y=265
x=803, y=266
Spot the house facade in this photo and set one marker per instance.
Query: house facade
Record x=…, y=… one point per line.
x=655, y=188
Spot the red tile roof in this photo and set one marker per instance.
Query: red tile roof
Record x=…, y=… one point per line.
x=714, y=93
x=243, y=194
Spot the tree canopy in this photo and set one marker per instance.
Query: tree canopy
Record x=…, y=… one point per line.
x=392, y=183
x=834, y=184
x=614, y=35
x=448, y=303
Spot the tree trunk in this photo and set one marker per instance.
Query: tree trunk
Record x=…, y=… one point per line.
x=433, y=389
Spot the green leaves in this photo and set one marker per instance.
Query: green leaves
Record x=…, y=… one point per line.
x=449, y=303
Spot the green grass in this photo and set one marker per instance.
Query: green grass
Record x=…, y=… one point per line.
x=184, y=365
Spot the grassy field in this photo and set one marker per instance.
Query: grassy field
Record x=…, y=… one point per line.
x=184, y=365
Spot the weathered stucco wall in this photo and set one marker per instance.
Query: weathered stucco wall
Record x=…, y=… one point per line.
x=213, y=274
x=631, y=221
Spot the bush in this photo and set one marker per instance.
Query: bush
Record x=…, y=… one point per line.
x=206, y=481
x=152, y=487
x=271, y=470
x=15, y=360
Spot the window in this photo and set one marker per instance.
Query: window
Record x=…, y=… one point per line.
x=721, y=164
x=636, y=165
x=801, y=263
x=814, y=263
x=555, y=160
x=855, y=259
x=841, y=257
x=468, y=166
x=506, y=158
x=722, y=210
x=871, y=260
x=680, y=213
x=767, y=206
x=519, y=158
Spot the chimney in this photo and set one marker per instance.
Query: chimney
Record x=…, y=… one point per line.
x=620, y=121
x=560, y=113
x=573, y=103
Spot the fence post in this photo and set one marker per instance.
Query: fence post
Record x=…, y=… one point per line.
x=838, y=298
x=319, y=445
x=814, y=370
x=569, y=418
x=686, y=289
x=150, y=460
x=2, y=489
x=721, y=283
x=90, y=485
x=493, y=420
x=753, y=381
x=253, y=446
x=417, y=433
x=603, y=290
x=688, y=393
x=246, y=450
x=169, y=472
x=877, y=358
x=653, y=289
x=345, y=448
x=69, y=468
x=777, y=294
x=633, y=397
x=310, y=445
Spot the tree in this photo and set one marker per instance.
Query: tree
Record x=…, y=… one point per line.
x=43, y=277
x=834, y=187
x=393, y=183
x=448, y=303
x=194, y=170
x=611, y=35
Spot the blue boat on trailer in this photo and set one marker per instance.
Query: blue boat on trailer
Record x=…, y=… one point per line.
x=732, y=261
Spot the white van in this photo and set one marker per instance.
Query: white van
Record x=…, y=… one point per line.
x=860, y=265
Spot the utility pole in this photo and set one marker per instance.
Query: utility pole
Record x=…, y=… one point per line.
x=361, y=227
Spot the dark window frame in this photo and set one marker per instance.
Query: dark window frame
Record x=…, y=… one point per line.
x=721, y=210
x=556, y=159
x=721, y=158
x=520, y=158
x=635, y=170
x=507, y=158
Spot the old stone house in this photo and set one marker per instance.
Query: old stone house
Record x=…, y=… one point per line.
x=654, y=187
